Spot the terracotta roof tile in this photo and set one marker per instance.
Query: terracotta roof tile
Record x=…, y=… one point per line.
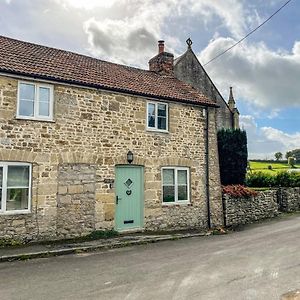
x=29, y=59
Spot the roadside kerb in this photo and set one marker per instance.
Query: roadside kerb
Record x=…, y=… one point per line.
x=103, y=245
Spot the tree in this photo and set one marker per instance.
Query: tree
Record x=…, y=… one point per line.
x=233, y=155
x=278, y=155
x=288, y=154
x=296, y=154
x=293, y=153
x=291, y=161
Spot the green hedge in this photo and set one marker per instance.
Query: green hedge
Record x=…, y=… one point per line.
x=285, y=179
x=233, y=154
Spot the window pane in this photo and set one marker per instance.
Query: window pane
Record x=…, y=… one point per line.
x=151, y=115
x=168, y=194
x=26, y=108
x=1, y=176
x=18, y=176
x=168, y=177
x=44, y=101
x=162, y=123
x=17, y=199
x=182, y=192
x=162, y=110
x=44, y=109
x=44, y=94
x=182, y=177
x=27, y=91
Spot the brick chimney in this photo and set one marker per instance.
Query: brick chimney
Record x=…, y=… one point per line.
x=163, y=62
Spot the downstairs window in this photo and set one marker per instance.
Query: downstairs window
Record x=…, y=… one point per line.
x=175, y=185
x=15, y=187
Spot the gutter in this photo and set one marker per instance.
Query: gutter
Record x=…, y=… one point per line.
x=207, y=168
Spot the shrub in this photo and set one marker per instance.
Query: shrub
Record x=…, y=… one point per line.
x=260, y=179
x=285, y=179
x=232, y=146
x=238, y=191
x=270, y=167
x=101, y=234
x=6, y=242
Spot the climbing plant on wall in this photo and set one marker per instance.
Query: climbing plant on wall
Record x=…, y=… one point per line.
x=233, y=155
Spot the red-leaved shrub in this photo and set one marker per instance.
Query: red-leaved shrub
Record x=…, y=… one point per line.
x=238, y=191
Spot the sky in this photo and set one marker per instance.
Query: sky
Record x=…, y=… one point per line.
x=264, y=70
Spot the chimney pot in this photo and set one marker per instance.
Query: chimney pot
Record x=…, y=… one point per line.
x=161, y=46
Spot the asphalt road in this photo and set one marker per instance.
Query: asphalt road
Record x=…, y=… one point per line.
x=260, y=262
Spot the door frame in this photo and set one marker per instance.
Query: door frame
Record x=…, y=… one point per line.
x=142, y=204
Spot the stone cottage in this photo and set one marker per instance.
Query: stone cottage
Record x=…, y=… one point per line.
x=90, y=145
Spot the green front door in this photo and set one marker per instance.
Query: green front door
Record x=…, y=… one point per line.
x=129, y=185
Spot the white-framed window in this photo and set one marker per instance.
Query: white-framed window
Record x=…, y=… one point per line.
x=15, y=187
x=157, y=116
x=35, y=101
x=175, y=185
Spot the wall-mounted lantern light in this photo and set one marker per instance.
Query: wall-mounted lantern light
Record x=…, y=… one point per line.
x=129, y=157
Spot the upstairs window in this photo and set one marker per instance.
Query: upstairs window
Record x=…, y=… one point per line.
x=157, y=116
x=35, y=101
x=175, y=185
x=15, y=187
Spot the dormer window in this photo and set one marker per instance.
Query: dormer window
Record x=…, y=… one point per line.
x=157, y=116
x=35, y=101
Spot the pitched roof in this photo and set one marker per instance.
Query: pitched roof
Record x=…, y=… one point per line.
x=27, y=59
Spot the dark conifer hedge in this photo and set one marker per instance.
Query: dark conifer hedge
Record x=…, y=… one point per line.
x=233, y=156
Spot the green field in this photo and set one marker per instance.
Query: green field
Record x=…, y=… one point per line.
x=259, y=166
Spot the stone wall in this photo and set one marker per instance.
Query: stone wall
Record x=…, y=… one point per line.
x=289, y=199
x=75, y=199
x=266, y=204
x=176, y=217
x=247, y=210
x=92, y=131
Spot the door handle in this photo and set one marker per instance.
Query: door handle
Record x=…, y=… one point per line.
x=117, y=199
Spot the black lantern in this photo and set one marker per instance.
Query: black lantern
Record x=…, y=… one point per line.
x=129, y=157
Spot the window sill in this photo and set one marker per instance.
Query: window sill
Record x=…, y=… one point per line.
x=35, y=119
x=157, y=130
x=186, y=203
x=16, y=212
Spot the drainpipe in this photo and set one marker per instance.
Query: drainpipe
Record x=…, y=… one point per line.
x=207, y=168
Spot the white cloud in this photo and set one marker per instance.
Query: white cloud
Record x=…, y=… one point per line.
x=232, y=13
x=296, y=48
x=127, y=31
x=264, y=142
x=289, y=141
x=266, y=78
x=86, y=4
x=121, y=41
x=131, y=39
